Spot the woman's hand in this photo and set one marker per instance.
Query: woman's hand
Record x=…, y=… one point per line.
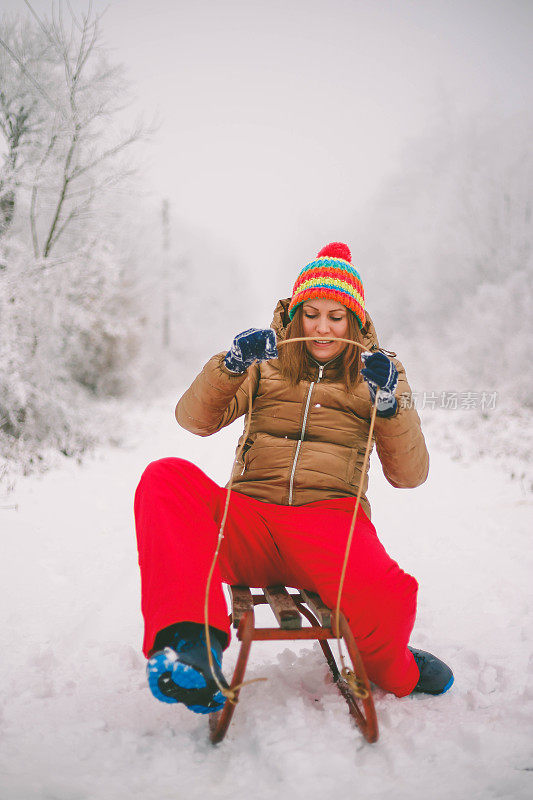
x=382, y=378
x=249, y=346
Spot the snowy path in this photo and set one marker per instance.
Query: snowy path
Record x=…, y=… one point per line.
x=78, y=723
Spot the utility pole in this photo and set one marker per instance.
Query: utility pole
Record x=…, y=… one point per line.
x=166, y=273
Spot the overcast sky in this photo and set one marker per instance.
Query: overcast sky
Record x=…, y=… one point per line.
x=280, y=119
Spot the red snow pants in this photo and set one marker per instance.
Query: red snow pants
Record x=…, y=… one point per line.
x=178, y=511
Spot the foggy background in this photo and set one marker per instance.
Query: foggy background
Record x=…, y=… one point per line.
x=268, y=130
x=165, y=172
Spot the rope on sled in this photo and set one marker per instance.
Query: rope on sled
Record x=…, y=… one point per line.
x=349, y=676
x=228, y=693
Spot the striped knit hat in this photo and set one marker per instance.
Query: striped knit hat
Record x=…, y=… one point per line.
x=331, y=275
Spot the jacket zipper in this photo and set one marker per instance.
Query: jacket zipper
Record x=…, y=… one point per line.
x=302, y=433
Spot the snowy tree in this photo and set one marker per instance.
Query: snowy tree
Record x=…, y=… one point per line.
x=21, y=112
x=98, y=298
x=77, y=155
x=70, y=315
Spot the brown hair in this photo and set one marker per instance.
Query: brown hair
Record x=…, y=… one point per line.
x=296, y=363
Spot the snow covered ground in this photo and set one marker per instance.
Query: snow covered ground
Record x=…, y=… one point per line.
x=77, y=721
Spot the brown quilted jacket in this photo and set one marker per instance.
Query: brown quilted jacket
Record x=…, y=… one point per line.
x=306, y=442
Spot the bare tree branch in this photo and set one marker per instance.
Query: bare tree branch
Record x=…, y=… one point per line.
x=35, y=189
x=63, y=192
x=30, y=77
x=112, y=151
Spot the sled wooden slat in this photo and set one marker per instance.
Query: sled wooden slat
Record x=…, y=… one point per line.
x=317, y=606
x=288, y=609
x=284, y=608
x=290, y=634
x=241, y=601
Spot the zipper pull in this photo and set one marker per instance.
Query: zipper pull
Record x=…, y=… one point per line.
x=320, y=371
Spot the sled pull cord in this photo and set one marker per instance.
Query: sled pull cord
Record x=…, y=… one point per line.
x=228, y=693
x=358, y=689
x=348, y=675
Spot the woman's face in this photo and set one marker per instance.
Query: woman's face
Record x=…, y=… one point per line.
x=322, y=318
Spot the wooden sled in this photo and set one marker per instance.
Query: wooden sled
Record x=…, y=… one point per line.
x=288, y=609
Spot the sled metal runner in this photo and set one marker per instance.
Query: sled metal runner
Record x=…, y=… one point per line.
x=288, y=609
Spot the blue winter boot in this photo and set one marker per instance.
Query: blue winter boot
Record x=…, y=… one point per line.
x=435, y=676
x=180, y=672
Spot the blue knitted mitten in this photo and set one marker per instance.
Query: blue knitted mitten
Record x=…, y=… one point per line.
x=382, y=378
x=249, y=346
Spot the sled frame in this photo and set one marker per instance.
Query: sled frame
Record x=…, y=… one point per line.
x=288, y=608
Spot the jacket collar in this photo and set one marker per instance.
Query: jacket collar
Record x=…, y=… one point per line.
x=326, y=366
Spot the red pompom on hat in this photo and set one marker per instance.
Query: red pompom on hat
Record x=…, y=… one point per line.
x=336, y=250
x=331, y=275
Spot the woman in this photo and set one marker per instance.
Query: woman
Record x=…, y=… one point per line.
x=293, y=492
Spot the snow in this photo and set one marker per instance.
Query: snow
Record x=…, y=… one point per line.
x=77, y=719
